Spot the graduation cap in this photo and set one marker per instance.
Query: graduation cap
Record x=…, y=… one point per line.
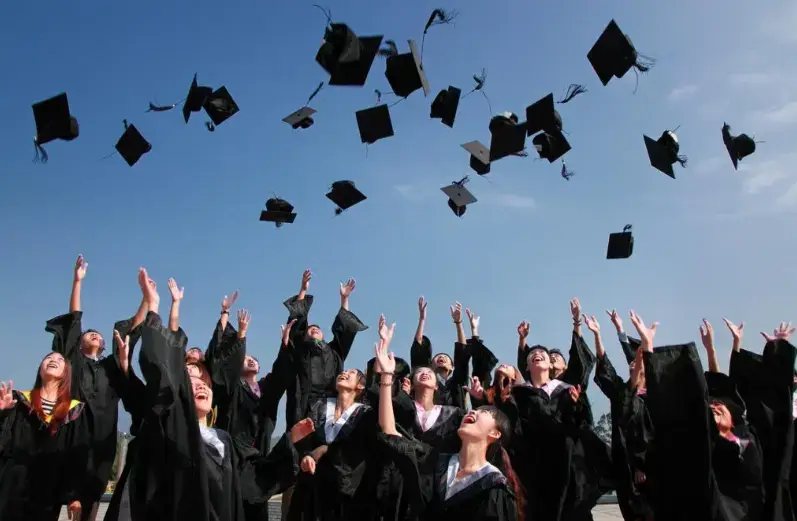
x=459, y=197
x=302, y=118
x=132, y=145
x=53, y=121
x=195, y=99
x=613, y=55
x=404, y=72
x=345, y=195
x=445, y=104
x=508, y=136
x=739, y=146
x=663, y=152
x=278, y=211
x=551, y=145
x=346, y=57
x=721, y=388
x=220, y=107
x=374, y=124
x=479, y=157
x=621, y=245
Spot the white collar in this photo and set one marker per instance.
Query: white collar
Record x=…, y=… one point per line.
x=211, y=437
x=454, y=485
x=427, y=419
x=332, y=427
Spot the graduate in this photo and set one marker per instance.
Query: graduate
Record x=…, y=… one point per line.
x=476, y=483
x=44, y=446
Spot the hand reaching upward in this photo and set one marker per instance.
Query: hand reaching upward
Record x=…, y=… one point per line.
x=783, y=332
x=286, y=333
x=227, y=302
x=646, y=334
x=176, y=291
x=347, y=289
x=422, y=308
x=81, y=266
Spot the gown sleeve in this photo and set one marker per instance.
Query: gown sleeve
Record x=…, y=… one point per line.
x=225, y=359
x=264, y=475
x=66, y=330
x=299, y=310
x=413, y=459
x=607, y=380
x=483, y=360
x=454, y=392
x=522, y=364
x=421, y=353
x=344, y=330
x=581, y=363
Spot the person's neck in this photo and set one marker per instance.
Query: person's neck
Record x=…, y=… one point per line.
x=472, y=456
x=250, y=378
x=556, y=373
x=442, y=371
x=90, y=352
x=49, y=390
x=539, y=377
x=425, y=397
x=344, y=400
x=203, y=420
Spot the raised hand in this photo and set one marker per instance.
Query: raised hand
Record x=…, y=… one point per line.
x=385, y=333
x=7, y=400
x=149, y=289
x=307, y=275
x=286, y=332
x=243, y=321
x=456, y=312
x=736, y=331
x=176, y=291
x=473, y=319
x=475, y=388
x=523, y=330
x=575, y=393
x=122, y=349
x=707, y=335
x=615, y=318
x=385, y=360
x=422, y=308
x=302, y=429
x=80, y=268
x=347, y=288
x=227, y=302
x=406, y=385
x=646, y=334
x=592, y=324
x=575, y=309
x=783, y=332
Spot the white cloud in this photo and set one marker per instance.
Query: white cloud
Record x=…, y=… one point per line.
x=782, y=116
x=766, y=174
x=681, y=93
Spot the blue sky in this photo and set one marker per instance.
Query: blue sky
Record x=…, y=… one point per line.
x=712, y=243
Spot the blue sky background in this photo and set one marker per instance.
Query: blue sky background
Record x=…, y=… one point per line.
x=712, y=243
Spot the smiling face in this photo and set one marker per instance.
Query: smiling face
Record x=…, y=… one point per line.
x=443, y=362
x=558, y=363
x=52, y=367
x=479, y=425
x=92, y=342
x=314, y=333
x=203, y=397
x=722, y=416
x=251, y=366
x=424, y=378
x=539, y=360
x=350, y=380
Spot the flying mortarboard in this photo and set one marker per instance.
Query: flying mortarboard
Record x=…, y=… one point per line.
x=459, y=197
x=302, y=118
x=551, y=145
x=663, y=152
x=621, y=245
x=613, y=55
x=346, y=57
x=404, y=72
x=195, y=99
x=220, y=107
x=345, y=195
x=279, y=211
x=53, y=121
x=738, y=147
x=444, y=107
x=132, y=145
x=542, y=115
x=508, y=136
x=479, y=157
x=374, y=124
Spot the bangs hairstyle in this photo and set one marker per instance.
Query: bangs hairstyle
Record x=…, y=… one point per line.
x=499, y=391
x=62, y=402
x=498, y=456
x=204, y=375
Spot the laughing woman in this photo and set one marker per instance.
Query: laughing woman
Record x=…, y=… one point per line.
x=476, y=483
x=44, y=443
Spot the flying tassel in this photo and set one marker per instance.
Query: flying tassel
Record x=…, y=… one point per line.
x=327, y=13
x=682, y=160
x=390, y=50
x=210, y=126
x=480, y=80
x=316, y=91
x=162, y=108
x=40, y=155
x=572, y=91
x=438, y=17
x=461, y=182
x=567, y=174
x=124, y=122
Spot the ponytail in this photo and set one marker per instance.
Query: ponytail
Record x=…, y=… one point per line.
x=514, y=483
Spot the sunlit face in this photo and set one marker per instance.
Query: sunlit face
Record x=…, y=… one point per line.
x=52, y=367
x=424, y=378
x=722, y=416
x=478, y=425
x=505, y=371
x=203, y=397
x=558, y=362
x=349, y=380
x=92, y=341
x=443, y=361
x=194, y=355
x=314, y=332
x=251, y=366
x=539, y=359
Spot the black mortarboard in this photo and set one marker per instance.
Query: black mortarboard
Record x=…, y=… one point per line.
x=374, y=124
x=444, y=106
x=508, y=136
x=551, y=145
x=663, y=152
x=613, y=55
x=555, y=351
x=723, y=389
x=479, y=157
x=346, y=57
x=132, y=145
x=220, y=106
x=302, y=118
x=195, y=99
x=405, y=74
x=53, y=121
x=278, y=211
x=345, y=195
x=621, y=244
x=459, y=197
x=542, y=115
x=739, y=146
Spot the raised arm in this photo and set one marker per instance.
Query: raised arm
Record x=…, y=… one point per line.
x=582, y=361
x=522, y=335
x=386, y=367
x=707, y=338
x=227, y=358
x=67, y=329
x=484, y=361
x=421, y=320
x=628, y=344
x=346, y=325
x=456, y=316
x=77, y=284
x=174, y=312
x=299, y=308
x=605, y=375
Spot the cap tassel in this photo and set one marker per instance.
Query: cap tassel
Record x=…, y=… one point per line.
x=316, y=91
x=642, y=64
x=626, y=228
x=210, y=126
x=390, y=50
x=572, y=91
x=480, y=81
x=40, y=155
x=567, y=174
x=163, y=108
x=681, y=160
x=438, y=17
x=327, y=13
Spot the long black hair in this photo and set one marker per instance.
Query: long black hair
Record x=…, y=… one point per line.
x=498, y=456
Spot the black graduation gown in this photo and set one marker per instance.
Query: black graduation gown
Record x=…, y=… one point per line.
x=765, y=383
x=632, y=430
x=483, y=361
x=346, y=477
x=40, y=471
x=315, y=365
x=425, y=471
x=240, y=411
x=174, y=475
x=449, y=391
x=94, y=382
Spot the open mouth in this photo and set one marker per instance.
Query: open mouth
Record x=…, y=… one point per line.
x=537, y=358
x=342, y=377
x=469, y=419
x=424, y=377
x=201, y=395
x=52, y=365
